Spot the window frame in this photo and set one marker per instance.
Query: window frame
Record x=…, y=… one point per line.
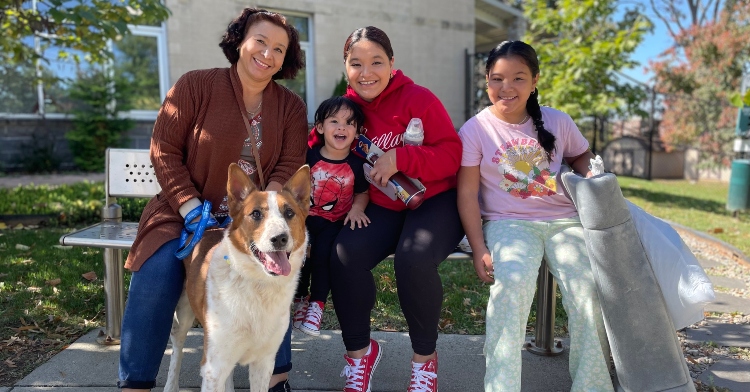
x=308, y=47
x=158, y=32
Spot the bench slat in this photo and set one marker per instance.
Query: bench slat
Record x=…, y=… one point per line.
x=103, y=235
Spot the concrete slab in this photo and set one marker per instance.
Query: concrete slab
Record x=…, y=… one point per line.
x=726, y=282
x=727, y=303
x=318, y=361
x=49, y=179
x=730, y=373
x=4, y=389
x=706, y=263
x=723, y=334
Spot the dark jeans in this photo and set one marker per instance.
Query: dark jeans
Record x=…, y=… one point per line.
x=421, y=239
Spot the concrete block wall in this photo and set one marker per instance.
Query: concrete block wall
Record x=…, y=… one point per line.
x=18, y=138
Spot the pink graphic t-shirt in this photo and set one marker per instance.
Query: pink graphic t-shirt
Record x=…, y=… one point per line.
x=517, y=181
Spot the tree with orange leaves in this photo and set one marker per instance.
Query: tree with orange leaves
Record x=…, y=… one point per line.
x=699, y=76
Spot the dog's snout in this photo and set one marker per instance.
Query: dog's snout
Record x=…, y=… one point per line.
x=280, y=241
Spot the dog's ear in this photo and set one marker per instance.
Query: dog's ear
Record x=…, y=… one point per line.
x=238, y=184
x=299, y=186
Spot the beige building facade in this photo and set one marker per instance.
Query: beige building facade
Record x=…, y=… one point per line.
x=430, y=38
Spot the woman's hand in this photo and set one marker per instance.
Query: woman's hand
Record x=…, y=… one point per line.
x=356, y=217
x=384, y=168
x=483, y=264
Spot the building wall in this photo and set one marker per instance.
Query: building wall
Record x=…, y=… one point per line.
x=669, y=165
x=21, y=139
x=429, y=38
x=694, y=172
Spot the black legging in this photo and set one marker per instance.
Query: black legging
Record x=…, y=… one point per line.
x=321, y=233
x=421, y=239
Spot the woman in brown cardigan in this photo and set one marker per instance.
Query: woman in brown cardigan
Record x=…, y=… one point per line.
x=209, y=119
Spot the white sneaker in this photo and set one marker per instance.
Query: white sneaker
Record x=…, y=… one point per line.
x=300, y=310
x=311, y=325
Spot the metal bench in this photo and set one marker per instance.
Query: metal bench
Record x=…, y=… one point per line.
x=129, y=173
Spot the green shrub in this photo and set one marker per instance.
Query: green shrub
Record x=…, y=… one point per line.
x=76, y=204
x=96, y=125
x=340, y=87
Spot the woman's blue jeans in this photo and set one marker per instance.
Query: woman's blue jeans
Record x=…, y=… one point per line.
x=152, y=298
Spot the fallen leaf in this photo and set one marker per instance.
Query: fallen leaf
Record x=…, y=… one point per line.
x=716, y=230
x=18, y=226
x=54, y=282
x=3, y=226
x=90, y=276
x=467, y=301
x=22, y=247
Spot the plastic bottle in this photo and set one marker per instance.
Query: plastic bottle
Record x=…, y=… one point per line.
x=414, y=135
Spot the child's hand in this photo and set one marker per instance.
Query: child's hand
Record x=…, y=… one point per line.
x=483, y=264
x=356, y=217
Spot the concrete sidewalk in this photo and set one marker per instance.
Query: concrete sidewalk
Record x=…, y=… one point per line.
x=318, y=361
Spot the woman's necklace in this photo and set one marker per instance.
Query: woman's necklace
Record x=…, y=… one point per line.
x=256, y=111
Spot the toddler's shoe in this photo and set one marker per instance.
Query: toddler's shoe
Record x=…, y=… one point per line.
x=311, y=324
x=300, y=310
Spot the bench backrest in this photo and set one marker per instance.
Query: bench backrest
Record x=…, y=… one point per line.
x=129, y=174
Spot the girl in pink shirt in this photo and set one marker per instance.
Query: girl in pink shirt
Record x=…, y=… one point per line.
x=515, y=213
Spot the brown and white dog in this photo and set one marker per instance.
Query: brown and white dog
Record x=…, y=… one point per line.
x=241, y=280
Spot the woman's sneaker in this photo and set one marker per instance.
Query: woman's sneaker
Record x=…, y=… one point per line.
x=311, y=324
x=358, y=372
x=300, y=310
x=424, y=376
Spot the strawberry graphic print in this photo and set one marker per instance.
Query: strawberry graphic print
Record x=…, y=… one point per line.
x=333, y=184
x=525, y=170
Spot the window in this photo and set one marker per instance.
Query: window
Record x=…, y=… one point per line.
x=140, y=59
x=304, y=83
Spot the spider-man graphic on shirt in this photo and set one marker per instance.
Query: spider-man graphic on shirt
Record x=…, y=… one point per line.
x=333, y=184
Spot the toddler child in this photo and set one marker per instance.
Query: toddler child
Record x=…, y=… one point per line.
x=339, y=197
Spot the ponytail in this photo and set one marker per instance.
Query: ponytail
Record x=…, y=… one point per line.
x=545, y=137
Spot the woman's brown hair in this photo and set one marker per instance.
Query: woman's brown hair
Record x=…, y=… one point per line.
x=237, y=30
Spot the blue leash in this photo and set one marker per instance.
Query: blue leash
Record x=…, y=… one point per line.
x=197, y=228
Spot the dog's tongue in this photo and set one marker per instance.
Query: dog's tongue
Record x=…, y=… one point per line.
x=278, y=263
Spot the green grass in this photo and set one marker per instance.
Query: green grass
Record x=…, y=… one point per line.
x=38, y=318
x=700, y=206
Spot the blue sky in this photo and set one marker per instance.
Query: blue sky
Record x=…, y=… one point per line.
x=654, y=43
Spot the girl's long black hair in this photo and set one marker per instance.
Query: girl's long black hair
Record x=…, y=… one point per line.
x=527, y=54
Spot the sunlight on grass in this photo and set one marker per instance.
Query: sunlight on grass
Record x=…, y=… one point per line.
x=700, y=206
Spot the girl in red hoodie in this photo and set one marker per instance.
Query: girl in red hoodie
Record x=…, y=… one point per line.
x=421, y=238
